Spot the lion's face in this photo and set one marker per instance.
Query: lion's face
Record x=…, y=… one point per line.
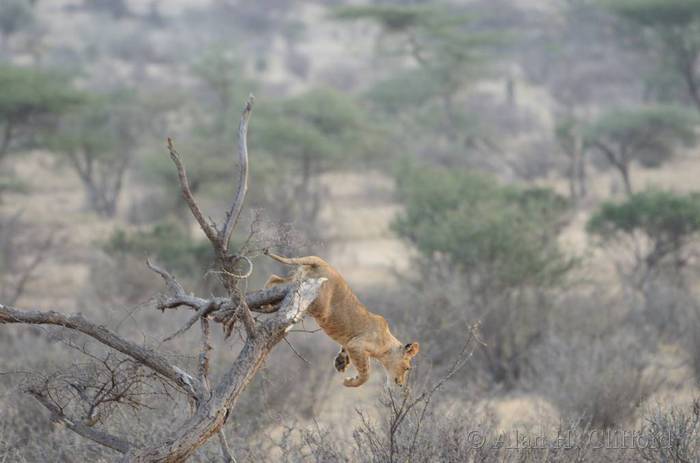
x=399, y=362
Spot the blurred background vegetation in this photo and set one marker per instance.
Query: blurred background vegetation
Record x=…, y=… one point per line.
x=531, y=167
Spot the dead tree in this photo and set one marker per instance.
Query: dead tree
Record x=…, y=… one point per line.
x=211, y=404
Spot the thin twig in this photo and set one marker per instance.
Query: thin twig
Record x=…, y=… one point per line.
x=225, y=449
x=295, y=352
x=305, y=331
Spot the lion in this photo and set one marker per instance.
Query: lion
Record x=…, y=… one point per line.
x=360, y=333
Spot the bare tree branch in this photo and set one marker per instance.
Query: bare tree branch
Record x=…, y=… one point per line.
x=207, y=227
x=203, y=370
x=247, y=317
x=237, y=206
x=100, y=437
x=201, y=314
x=172, y=284
x=77, y=322
x=261, y=301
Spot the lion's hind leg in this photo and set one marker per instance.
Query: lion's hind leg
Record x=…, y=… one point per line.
x=342, y=360
x=276, y=280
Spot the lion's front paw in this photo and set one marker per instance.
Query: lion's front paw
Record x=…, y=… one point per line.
x=342, y=361
x=354, y=381
x=351, y=382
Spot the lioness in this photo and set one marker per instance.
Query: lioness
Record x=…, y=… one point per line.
x=361, y=333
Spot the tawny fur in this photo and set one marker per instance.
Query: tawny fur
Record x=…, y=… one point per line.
x=361, y=333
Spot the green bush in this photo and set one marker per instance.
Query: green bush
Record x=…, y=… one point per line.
x=27, y=98
x=668, y=219
x=504, y=236
x=489, y=254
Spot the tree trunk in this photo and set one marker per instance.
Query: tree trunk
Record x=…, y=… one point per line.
x=625, y=173
x=580, y=160
x=583, y=179
x=211, y=417
x=6, y=139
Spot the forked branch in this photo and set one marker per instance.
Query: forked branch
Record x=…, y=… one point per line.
x=206, y=227
x=220, y=237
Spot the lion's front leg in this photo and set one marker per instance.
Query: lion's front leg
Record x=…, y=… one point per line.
x=342, y=360
x=360, y=360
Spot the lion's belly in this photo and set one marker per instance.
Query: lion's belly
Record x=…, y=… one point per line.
x=335, y=329
x=339, y=314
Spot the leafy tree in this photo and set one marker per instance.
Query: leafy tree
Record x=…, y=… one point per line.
x=99, y=140
x=500, y=243
x=665, y=222
x=673, y=26
x=304, y=137
x=30, y=100
x=648, y=135
x=652, y=237
x=502, y=236
x=448, y=51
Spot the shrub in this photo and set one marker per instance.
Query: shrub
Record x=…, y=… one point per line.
x=673, y=435
x=487, y=253
x=499, y=237
x=595, y=378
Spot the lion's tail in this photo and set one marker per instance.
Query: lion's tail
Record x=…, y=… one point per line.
x=308, y=260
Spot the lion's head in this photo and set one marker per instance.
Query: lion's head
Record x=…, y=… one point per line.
x=398, y=361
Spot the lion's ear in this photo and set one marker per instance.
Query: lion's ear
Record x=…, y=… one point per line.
x=412, y=349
